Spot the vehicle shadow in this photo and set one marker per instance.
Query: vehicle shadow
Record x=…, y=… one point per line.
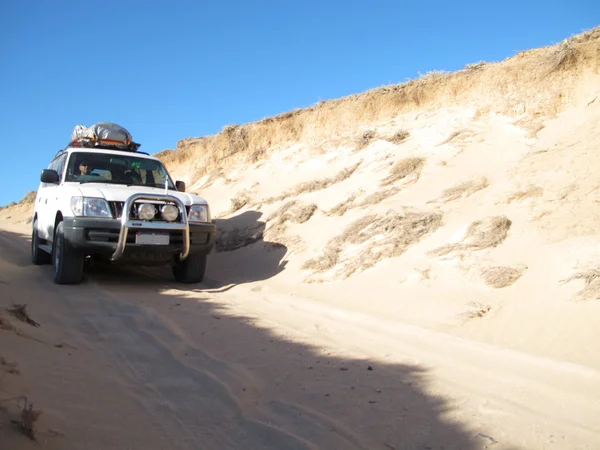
x=231, y=381
x=241, y=255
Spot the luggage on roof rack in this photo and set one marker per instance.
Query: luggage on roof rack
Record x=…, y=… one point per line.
x=105, y=135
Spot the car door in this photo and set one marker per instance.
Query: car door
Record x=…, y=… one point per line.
x=42, y=206
x=49, y=200
x=53, y=194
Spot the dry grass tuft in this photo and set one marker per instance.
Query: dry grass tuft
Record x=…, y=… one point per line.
x=20, y=312
x=282, y=210
x=464, y=189
x=451, y=137
x=385, y=237
x=27, y=419
x=399, y=137
x=487, y=233
x=501, y=277
x=591, y=290
x=303, y=213
x=341, y=208
x=564, y=54
x=239, y=201
x=379, y=196
x=403, y=168
x=531, y=191
x=365, y=139
x=291, y=211
x=478, y=310
x=316, y=185
x=350, y=203
x=476, y=66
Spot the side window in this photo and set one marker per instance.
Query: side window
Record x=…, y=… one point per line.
x=60, y=166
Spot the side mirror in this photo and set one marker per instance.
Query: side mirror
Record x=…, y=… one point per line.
x=180, y=185
x=49, y=176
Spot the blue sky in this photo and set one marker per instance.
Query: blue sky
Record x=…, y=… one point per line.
x=177, y=69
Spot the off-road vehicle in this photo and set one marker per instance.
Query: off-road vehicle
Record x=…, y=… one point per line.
x=99, y=201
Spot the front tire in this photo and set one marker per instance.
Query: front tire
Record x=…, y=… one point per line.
x=38, y=256
x=191, y=269
x=67, y=261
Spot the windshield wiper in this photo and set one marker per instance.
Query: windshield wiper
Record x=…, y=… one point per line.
x=159, y=185
x=100, y=181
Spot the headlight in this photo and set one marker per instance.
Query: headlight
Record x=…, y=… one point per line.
x=199, y=213
x=169, y=212
x=90, y=207
x=146, y=211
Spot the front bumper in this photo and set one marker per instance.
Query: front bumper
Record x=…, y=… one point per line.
x=116, y=238
x=101, y=236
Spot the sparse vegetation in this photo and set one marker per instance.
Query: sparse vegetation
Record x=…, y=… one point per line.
x=365, y=139
x=385, y=237
x=28, y=417
x=531, y=191
x=379, y=196
x=475, y=66
x=501, y=277
x=316, y=185
x=464, y=189
x=477, y=310
x=404, y=168
x=239, y=201
x=20, y=312
x=338, y=117
x=350, y=203
x=399, y=137
x=481, y=234
x=450, y=138
x=564, y=54
x=341, y=208
x=591, y=277
x=303, y=213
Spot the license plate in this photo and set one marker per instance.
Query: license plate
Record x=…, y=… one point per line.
x=150, y=238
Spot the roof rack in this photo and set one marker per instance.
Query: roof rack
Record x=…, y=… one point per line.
x=104, y=144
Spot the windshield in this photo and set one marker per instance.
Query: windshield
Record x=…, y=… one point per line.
x=125, y=169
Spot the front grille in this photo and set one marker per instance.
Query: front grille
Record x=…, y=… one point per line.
x=117, y=209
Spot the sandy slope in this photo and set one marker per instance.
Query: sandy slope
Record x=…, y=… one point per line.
x=544, y=184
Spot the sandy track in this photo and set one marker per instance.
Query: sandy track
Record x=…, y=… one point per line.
x=143, y=363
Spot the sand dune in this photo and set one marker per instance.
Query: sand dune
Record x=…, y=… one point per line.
x=409, y=268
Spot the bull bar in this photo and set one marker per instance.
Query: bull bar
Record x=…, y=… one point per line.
x=127, y=222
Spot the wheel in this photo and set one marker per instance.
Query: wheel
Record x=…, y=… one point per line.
x=191, y=269
x=38, y=256
x=67, y=262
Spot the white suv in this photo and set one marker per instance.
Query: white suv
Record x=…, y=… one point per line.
x=121, y=206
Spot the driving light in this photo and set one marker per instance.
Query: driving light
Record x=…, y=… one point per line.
x=146, y=211
x=198, y=213
x=169, y=212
